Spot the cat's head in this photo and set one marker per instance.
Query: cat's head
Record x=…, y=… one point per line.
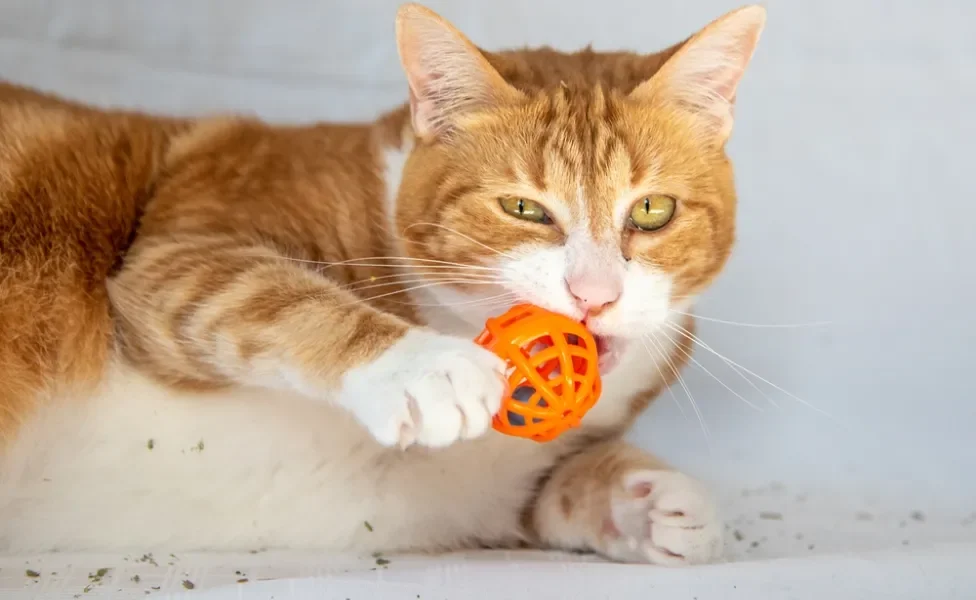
x=591, y=184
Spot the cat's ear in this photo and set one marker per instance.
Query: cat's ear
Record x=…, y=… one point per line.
x=448, y=76
x=702, y=76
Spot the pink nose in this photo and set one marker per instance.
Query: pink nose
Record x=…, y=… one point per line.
x=594, y=294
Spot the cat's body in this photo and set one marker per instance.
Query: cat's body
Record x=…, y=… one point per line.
x=188, y=359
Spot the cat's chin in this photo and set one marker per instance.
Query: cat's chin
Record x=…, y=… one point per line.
x=610, y=348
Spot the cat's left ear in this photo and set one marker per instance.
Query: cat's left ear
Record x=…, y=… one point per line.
x=448, y=76
x=702, y=76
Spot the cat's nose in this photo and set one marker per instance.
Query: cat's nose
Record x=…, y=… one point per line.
x=593, y=295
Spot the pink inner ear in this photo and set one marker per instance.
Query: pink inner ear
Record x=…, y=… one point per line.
x=726, y=88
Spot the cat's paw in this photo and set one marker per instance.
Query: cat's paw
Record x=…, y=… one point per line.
x=428, y=389
x=662, y=517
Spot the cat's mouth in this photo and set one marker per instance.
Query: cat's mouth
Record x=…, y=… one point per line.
x=610, y=349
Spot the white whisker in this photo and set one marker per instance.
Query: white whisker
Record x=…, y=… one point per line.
x=769, y=383
x=713, y=376
x=691, y=336
x=489, y=301
x=456, y=280
x=399, y=277
x=394, y=262
x=691, y=397
x=661, y=356
x=756, y=325
x=429, y=284
x=458, y=233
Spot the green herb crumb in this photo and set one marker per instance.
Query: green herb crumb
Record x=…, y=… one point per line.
x=382, y=561
x=148, y=558
x=187, y=584
x=199, y=446
x=242, y=580
x=738, y=535
x=33, y=574
x=369, y=527
x=135, y=579
x=151, y=444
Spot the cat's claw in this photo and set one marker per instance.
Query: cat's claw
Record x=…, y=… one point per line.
x=428, y=389
x=662, y=517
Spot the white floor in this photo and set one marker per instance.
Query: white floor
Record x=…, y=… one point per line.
x=782, y=544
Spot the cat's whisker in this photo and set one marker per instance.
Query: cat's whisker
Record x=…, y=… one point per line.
x=695, y=339
x=455, y=280
x=659, y=356
x=394, y=262
x=427, y=284
x=755, y=325
x=458, y=233
x=691, y=398
x=695, y=362
x=401, y=278
x=490, y=301
x=766, y=381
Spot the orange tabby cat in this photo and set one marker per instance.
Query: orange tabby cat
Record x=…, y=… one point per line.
x=220, y=334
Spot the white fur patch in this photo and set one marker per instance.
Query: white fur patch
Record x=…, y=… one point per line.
x=427, y=388
x=394, y=161
x=140, y=466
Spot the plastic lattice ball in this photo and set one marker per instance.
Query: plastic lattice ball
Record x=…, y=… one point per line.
x=552, y=371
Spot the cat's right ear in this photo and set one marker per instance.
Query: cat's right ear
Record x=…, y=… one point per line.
x=702, y=76
x=448, y=76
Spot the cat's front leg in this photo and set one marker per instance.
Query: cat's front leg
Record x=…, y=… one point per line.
x=216, y=312
x=616, y=500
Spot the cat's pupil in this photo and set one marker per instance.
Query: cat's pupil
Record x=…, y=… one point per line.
x=521, y=206
x=647, y=205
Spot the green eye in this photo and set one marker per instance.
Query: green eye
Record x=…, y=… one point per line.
x=652, y=212
x=527, y=210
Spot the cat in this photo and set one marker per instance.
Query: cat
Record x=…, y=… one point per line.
x=218, y=334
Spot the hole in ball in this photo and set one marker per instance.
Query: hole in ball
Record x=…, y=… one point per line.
x=523, y=394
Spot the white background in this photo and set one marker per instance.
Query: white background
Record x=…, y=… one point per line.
x=854, y=154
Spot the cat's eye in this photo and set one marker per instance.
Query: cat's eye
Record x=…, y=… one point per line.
x=527, y=210
x=652, y=212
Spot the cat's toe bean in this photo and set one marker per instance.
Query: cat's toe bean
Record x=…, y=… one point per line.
x=670, y=515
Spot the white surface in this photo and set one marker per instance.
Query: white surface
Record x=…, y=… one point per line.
x=853, y=150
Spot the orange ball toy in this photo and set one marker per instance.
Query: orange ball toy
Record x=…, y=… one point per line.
x=553, y=371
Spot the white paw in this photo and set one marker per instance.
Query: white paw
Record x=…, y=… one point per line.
x=665, y=518
x=427, y=388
